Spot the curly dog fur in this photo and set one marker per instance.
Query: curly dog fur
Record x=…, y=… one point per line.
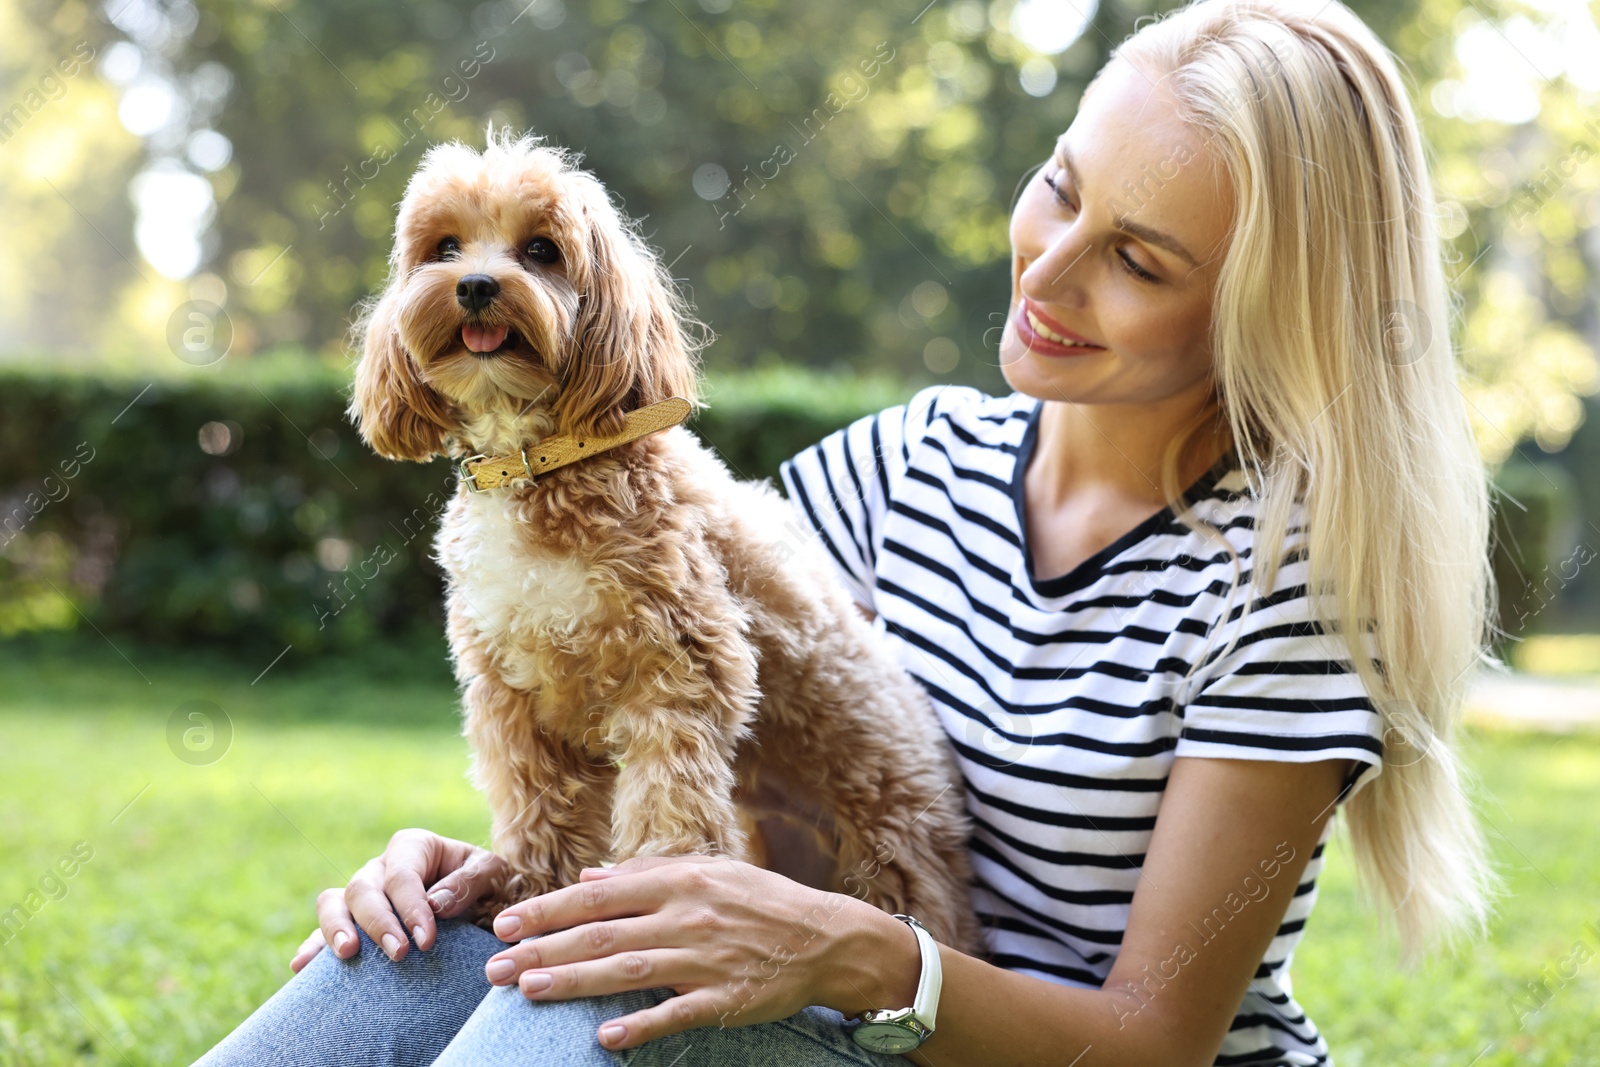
x=649, y=658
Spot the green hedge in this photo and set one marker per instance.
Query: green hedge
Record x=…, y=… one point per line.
x=1535, y=564
x=112, y=513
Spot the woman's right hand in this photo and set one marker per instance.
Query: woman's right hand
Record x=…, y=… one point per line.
x=419, y=876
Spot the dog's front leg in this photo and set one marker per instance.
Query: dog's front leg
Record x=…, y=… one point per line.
x=674, y=793
x=549, y=797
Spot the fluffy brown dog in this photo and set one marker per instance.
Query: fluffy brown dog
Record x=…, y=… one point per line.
x=643, y=642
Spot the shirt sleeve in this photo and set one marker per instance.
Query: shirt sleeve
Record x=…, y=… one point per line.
x=1286, y=690
x=843, y=484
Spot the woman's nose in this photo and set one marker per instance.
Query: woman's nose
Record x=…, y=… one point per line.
x=1056, y=274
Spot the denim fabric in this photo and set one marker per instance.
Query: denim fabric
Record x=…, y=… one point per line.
x=437, y=1008
x=367, y=1010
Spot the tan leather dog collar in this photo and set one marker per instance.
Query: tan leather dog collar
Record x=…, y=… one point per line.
x=482, y=472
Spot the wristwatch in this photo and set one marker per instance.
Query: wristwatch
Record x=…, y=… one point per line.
x=899, y=1030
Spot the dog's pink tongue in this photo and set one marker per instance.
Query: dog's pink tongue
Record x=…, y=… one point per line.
x=483, y=338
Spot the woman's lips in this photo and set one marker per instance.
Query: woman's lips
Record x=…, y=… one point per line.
x=1073, y=345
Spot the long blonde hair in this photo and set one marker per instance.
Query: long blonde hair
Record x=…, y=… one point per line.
x=1336, y=379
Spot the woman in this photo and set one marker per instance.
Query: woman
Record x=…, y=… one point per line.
x=1225, y=281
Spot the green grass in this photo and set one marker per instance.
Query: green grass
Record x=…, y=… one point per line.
x=1539, y=794
x=200, y=888
x=184, y=919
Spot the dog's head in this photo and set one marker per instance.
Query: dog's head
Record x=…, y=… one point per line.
x=520, y=302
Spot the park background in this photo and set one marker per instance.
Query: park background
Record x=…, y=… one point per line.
x=196, y=195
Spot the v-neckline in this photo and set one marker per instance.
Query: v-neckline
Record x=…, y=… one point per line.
x=1090, y=568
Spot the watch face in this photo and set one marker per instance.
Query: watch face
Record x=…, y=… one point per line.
x=893, y=1038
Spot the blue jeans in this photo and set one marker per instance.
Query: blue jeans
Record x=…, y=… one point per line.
x=437, y=1008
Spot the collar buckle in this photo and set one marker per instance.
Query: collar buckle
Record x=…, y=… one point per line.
x=468, y=477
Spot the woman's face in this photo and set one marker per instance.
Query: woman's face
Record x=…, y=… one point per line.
x=1122, y=254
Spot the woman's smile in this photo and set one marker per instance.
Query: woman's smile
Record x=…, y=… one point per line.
x=1047, y=337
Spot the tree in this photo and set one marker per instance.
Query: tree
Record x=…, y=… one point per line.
x=830, y=181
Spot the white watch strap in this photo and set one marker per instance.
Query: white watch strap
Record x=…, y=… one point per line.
x=927, y=1002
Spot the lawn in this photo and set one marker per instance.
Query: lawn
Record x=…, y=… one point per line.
x=200, y=875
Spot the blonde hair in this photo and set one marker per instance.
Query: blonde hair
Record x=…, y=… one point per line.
x=1336, y=380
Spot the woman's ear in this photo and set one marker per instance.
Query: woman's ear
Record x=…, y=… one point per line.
x=630, y=349
x=399, y=415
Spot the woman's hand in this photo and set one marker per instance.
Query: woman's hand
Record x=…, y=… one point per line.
x=739, y=944
x=419, y=876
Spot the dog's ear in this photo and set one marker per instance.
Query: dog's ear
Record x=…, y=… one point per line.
x=399, y=415
x=630, y=349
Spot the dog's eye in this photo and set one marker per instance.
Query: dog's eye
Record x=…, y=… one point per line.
x=542, y=250
x=448, y=247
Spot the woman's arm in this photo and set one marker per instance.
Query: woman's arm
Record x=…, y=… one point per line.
x=1230, y=844
x=743, y=945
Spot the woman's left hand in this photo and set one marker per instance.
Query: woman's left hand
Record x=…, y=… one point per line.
x=738, y=943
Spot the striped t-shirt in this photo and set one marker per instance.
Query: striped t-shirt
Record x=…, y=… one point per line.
x=1064, y=697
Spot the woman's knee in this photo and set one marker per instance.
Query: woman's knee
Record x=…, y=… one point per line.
x=368, y=1008
x=452, y=967
x=509, y=1029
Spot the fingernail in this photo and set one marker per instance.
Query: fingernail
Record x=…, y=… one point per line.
x=507, y=925
x=441, y=900
x=340, y=940
x=391, y=945
x=612, y=1033
x=417, y=934
x=536, y=983
x=499, y=970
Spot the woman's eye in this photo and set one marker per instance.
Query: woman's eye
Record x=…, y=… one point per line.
x=1134, y=268
x=542, y=250
x=1050, y=180
x=1127, y=260
x=448, y=247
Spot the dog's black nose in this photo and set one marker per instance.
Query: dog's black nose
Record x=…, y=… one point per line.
x=475, y=291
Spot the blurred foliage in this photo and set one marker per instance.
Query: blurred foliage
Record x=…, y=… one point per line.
x=245, y=512
x=1532, y=566
x=1520, y=207
x=872, y=151
x=65, y=164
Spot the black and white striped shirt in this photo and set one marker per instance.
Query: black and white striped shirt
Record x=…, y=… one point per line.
x=1064, y=696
